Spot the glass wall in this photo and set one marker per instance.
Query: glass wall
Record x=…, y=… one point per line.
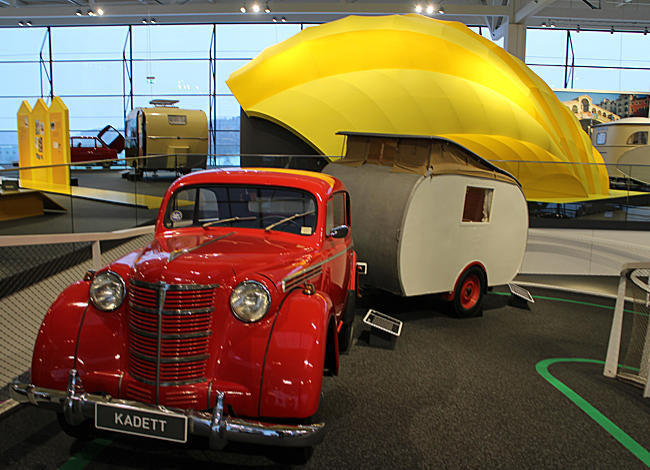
x=590, y=60
x=173, y=62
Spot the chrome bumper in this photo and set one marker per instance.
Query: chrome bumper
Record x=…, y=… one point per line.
x=78, y=406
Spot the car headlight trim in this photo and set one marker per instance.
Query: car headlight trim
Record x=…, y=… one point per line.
x=250, y=301
x=107, y=291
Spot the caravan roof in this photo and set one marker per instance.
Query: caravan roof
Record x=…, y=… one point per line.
x=420, y=154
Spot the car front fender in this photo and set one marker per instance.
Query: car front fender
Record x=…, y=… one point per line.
x=55, y=347
x=294, y=361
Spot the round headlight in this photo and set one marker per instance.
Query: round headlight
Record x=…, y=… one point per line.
x=107, y=291
x=250, y=301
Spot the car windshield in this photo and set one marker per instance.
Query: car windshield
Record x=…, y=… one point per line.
x=242, y=206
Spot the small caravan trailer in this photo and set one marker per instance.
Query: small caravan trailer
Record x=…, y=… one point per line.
x=430, y=216
x=624, y=145
x=180, y=136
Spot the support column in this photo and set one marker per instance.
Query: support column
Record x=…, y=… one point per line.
x=515, y=40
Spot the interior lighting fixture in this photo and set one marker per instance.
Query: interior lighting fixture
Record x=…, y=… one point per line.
x=91, y=13
x=544, y=24
x=552, y=24
x=144, y=20
x=266, y=8
x=441, y=10
x=430, y=9
x=418, y=8
x=255, y=8
x=78, y=13
x=283, y=19
x=153, y=21
x=28, y=23
x=275, y=20
x=243, y=8
x=100, y=12
x=21, y=23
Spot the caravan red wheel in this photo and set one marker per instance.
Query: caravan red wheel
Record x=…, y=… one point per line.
x=470, y=291
x=468, y=296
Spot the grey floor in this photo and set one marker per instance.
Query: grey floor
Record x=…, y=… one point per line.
x=452, y=394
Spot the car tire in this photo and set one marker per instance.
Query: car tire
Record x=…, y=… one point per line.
x=469, y=292
x=84, y=431
x=346, y=335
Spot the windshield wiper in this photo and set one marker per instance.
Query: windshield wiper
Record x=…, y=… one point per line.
x=230, y=219
x=287, y=219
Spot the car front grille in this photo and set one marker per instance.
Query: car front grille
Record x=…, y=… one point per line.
x=168, y=344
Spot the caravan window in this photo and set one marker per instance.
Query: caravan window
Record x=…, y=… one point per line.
x=601, y=138
x=638, y=138
x=177, y=120
x=478, y=204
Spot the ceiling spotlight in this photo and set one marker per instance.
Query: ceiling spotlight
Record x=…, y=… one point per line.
x=243, y=8
x=441, y=10
x=100, y=12
x=28, y=23
x=21, y=23
x=544, y=24
x=266, y=8
x=255, y=8
x=283, y=19
x=91, y=13
x=144, y=20
x=429, y=9
x=78, y=13
x=552, y=24
x=152, y=21
x=275, y=20
x=418, y=8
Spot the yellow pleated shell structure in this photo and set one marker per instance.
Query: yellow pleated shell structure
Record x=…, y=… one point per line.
x=410, y=74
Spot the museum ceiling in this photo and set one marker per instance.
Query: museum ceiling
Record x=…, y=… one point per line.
x=621, y=15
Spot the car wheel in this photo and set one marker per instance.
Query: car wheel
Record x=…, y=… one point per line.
x=346, y=335
x=468, y=296
x=84, y=431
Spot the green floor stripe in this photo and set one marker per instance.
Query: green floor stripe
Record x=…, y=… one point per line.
x=86, y=455
x=617, y=433
x=570, y=301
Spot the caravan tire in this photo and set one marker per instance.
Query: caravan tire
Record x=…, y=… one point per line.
x=469, y=293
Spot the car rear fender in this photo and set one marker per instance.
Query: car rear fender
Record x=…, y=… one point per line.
x=295, y=357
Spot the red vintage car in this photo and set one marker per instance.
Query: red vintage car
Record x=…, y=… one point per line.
x=102, y=148
x=223, y=326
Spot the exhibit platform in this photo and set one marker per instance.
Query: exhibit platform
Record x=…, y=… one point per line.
x=23, y=203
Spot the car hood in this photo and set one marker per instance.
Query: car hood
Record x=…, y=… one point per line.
x=217, y=258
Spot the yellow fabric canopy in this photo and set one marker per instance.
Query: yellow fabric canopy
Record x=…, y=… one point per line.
x=410, y=74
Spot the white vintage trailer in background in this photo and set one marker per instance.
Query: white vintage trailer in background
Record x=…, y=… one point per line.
x=624, y=147
x=432, y=217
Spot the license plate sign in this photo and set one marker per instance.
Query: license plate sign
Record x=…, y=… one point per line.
x=141, y=423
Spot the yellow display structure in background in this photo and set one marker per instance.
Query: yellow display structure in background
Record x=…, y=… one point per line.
x=44, y=140
x=25, y=140
x=409, y=74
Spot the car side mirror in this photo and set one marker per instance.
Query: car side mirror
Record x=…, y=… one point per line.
x=340, y=232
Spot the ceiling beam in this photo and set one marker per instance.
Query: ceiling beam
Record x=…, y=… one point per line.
x=531, y=9
x=228, y=11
